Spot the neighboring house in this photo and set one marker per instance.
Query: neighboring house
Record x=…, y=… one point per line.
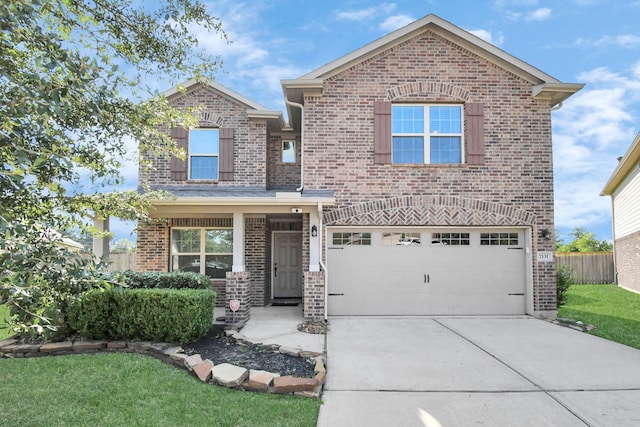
x=624, y=189
x=415, y=178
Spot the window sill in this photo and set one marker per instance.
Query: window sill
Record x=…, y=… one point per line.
x=203, y=181
x=430, y=165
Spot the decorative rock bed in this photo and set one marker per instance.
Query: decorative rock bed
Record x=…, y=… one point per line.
x=223, y=374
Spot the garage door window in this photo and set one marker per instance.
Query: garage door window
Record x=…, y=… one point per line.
x=453, y=239
x=499, y=239
x=400, y=239
x=346, y=239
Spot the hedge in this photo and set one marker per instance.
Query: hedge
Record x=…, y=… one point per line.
x=175, y=280
x=163, y=315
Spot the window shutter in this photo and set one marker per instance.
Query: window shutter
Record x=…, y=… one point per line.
x=382, y=131
x=179, y=166
x=226, y=154
x=475, y=133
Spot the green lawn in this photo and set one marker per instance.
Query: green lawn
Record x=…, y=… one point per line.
x=613, y=310
x=133, y=390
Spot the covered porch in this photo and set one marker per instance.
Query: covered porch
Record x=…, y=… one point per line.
x=257, y=246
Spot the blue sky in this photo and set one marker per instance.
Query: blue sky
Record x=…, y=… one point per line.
x=596, y=42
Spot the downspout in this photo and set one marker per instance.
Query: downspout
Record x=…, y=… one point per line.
x=301, y=107
x=556, y=107
x=322, y=265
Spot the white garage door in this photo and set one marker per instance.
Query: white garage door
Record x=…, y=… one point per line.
x=426, y=272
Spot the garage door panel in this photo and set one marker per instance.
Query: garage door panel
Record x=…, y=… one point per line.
x=426, y=279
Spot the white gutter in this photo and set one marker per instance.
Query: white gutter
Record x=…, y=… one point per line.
x=322, y=265
x=301, y=107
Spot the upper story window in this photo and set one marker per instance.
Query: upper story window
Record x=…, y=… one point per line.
x=421, y=134
x=426, y=134
x=288, y=151
x=204, y=152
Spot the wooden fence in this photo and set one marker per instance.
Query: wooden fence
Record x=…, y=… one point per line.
x=121, y=262
x=588, y=267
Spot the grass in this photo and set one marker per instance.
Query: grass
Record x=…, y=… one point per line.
x=4, y=330
x=613, y=310
x=133, y=390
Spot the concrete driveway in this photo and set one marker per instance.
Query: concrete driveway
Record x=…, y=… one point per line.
x=463, y=371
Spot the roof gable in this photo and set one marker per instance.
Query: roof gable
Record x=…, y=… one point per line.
x=627, y=163
x=544, y=86
x=254, y=110
x=446, y=30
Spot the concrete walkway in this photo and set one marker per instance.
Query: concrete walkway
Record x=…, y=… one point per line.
x=279, y=326
x=463, y=371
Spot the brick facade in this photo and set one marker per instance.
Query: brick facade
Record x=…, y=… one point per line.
x=255, y=232
x=249, y=142
x=627, y=254
x=313, y=295
x=238, y=288
x=514, y=186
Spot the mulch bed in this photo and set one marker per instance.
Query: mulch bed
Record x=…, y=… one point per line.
x=219, y=348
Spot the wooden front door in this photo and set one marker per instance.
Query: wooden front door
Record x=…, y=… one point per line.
x=287, y=265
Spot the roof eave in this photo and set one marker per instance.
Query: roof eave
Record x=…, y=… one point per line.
x=555, y=93
x=625, y=166
x=445, y=29
x=181, y=88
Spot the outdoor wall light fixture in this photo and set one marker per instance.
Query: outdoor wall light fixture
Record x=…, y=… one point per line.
x=314, y=231
x=545, y=234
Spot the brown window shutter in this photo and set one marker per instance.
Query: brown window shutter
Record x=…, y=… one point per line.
x=226, y=154
x=475, y=133
x=382, y=131
x=179, y=166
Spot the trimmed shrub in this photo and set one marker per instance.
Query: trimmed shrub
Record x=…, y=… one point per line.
x=564, y=279
x=168, y=315
x=176, y=280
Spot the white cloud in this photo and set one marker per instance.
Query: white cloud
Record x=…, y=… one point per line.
x=487, y=36
x=367, y=14
x=622, y=40
x=593, y=128
x=392, y=23
x=541, y=14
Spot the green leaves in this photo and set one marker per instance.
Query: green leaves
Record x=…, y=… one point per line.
x=71, y=108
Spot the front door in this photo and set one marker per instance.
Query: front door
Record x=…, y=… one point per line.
x=287, y=265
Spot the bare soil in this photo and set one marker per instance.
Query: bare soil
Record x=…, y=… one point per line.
x=219, y=348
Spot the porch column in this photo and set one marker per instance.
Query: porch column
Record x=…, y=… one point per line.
x=238, y=243
x=314, y=241
x=101, y=244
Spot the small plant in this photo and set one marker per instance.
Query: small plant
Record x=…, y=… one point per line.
x=564, y=279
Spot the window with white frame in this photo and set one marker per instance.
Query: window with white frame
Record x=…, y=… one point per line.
x=204, y=152
x=202, y=250
x=426, y=134
x=288, y=151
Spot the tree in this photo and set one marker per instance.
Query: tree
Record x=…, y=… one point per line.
x=122, y=246
x=71, y=104
x=584, y=241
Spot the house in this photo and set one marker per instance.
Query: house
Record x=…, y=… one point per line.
x=624, y=189
x=414, y=177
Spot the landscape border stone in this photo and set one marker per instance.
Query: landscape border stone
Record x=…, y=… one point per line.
x=262, y=381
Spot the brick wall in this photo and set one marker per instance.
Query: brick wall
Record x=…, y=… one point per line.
x=249, y=143
x=627, y=252
x=255, y=258
x=313, y=295
x=282, y=174
x=518, y=169
x=152, y=247
x=238, y=288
